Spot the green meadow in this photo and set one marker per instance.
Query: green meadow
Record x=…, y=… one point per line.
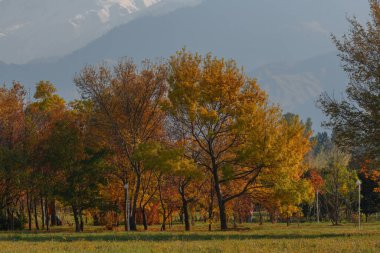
x=250, y=238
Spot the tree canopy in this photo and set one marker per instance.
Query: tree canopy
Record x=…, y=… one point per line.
x=355, y=119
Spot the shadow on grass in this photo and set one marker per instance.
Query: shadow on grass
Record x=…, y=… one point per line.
x=157, y=237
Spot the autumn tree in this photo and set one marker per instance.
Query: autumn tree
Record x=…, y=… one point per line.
x=317, y=183
x=41, y=115
x=127, y=105
x=149, y=189
x=174, y=175
x=12, y=162
x=355, y=120
x=229, y=119
x=286, y=188
x=186, y=177
x=186, y=174
x=370, y=178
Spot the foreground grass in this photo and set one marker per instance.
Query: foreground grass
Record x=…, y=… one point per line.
x=268, y=238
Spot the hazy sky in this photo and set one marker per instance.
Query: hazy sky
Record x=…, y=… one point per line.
x=32, y=29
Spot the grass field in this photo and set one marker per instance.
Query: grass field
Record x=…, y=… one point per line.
x=267, y=238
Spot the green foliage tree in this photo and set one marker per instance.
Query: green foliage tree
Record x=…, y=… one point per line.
x=339, y=180
x=355, y=120
x=79, y=164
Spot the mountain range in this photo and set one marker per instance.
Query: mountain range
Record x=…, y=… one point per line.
x=38, y=29
x=286, y=45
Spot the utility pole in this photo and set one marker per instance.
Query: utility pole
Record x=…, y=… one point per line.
x=359, y=184
x=127, y=215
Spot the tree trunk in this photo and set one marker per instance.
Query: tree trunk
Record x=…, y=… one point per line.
x=221, y=203
x=35, y=214
x=299, y=219
x=181, y=216
x=163, y=226
x=336, y=215
x=170, y=217
x=211, y=206
x=42, y=213
x=271, y=217
x=81, y=221
x=11, y=221
x=209, y=219
x=126, y=218
x=287, y=220
x=145, y=222
x=53, y=213
x=28, y=203
x=46, y=215
x=134, y=204
x=185, y=209
x=76, y=219
x=186, y=216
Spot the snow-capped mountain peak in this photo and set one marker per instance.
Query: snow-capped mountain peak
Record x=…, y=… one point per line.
x=46, y=28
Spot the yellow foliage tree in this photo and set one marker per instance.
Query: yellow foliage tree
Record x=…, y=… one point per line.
x=238, y=135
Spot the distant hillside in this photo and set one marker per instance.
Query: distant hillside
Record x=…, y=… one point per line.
x=296, y=86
